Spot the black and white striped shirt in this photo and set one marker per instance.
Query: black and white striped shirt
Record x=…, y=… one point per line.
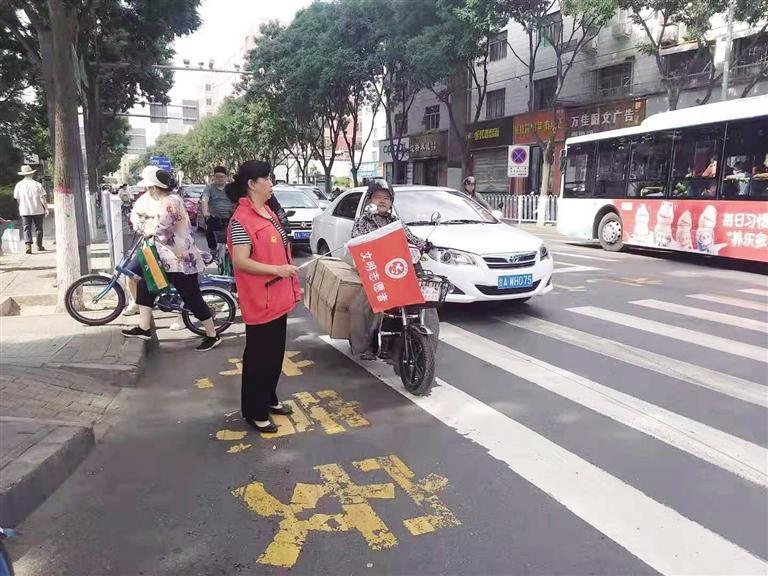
x=240, y=236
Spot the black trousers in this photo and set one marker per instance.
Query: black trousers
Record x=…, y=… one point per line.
x=188, y=288
x=213, y=225
x=262, y=365
x=27, y=222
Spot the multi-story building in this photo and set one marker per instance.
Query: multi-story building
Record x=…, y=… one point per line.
x=612, y=84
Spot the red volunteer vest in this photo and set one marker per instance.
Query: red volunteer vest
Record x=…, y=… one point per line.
x=260, y=304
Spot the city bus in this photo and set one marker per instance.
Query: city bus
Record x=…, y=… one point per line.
x=693, y=180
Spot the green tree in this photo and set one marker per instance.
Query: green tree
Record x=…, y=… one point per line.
x=564, y=35
x=454, y=50
x=114, y=144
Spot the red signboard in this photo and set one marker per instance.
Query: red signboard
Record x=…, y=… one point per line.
x=383, y=261
x=724, y=228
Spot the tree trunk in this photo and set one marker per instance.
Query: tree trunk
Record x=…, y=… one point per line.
x=546, y=178
x=354, y=177
x=66, y=146
x=92, y=129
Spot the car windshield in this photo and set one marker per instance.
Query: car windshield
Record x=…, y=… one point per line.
x=415, y=207
x=294, y=199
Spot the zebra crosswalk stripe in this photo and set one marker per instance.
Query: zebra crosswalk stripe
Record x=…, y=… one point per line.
x=740, y=303
x=656, y=534
x=738, y=456
x=690, y=336
x=702, y=314
x=732, y=386
x=755, y=291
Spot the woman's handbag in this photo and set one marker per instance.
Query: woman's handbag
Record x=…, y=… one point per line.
x=152, y=268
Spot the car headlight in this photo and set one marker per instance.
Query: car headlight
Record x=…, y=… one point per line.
x=543, y=252
x=452, y=257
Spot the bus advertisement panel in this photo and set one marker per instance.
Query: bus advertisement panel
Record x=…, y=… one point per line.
x=723, y=228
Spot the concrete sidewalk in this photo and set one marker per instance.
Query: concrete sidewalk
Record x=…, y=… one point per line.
x=58, y=380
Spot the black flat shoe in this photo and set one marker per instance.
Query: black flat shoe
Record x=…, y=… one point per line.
x=271, y=428
x=282, y=411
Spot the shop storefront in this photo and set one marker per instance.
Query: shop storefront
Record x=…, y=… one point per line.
x=602, y=117
x=488, y=144
x=530, y=129
x=385, y=154
x=429, y=158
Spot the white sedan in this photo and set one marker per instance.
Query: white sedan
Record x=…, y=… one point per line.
x=484, y=258
x=301, y=207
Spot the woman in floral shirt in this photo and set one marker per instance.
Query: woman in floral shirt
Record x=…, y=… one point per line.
x=180, y=257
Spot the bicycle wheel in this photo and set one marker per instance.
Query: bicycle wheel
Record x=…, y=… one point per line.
x=417, y=368
x=94, y=300
x=223, y=310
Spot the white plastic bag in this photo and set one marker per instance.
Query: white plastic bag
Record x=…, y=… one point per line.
x=11, y=239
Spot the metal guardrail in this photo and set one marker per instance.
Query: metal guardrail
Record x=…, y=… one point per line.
x=523, y=207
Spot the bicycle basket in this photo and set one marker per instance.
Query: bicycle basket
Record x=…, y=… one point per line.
x=434, y=289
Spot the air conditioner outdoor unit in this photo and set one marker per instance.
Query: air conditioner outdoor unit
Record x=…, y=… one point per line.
x=590, y=46
x=670, y=36
x=622, y=26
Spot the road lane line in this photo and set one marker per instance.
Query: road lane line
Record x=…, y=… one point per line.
x=748, y=304
x=572, y=255
x=702, y=314
x=656, y=534
x=669, y=331
x=573, y=268
x=755, y=291
x=740, y=457
x=697, y=375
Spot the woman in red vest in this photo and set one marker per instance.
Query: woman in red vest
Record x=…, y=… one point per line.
x=268, y=288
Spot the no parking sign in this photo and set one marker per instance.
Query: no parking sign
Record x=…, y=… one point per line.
x=517, y=161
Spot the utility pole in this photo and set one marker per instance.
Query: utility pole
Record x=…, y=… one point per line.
x=728, y=42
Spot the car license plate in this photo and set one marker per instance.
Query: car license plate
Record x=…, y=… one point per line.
x=301, y=235
x=430, y=293
x=516, y=281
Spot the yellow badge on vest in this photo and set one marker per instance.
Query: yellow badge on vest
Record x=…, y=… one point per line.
x=274, y=239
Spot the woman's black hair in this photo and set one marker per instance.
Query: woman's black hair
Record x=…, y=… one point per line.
x=251, y=170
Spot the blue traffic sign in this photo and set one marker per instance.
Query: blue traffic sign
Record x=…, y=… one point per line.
x=162, y=162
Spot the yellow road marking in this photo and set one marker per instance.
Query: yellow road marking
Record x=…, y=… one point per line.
x=346, y=411
x=236, y=371
x=301, y=421
x=204, y=383
x=238, y=448
x=284, y=427
x=320, y=414
x=292, y=368
x=230, y=435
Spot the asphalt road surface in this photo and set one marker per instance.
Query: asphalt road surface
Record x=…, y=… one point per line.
x=614, y=426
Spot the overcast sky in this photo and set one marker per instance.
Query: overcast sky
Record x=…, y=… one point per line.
x=225, y=24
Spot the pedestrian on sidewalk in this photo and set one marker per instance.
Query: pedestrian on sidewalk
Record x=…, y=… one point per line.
x=33, y=206
x=469, y=188
x=217, y=207
x=268, y=287
x=180, y=258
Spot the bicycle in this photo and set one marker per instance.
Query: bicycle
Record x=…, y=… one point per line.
x=103, y=296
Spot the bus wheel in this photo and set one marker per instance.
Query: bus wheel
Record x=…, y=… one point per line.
x=610, y=232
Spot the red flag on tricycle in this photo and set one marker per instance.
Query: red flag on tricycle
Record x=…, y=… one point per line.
x=383, y=261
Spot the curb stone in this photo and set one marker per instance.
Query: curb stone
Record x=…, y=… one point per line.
x=36, y=467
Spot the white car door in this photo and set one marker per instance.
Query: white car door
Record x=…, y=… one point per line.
x=343, y=219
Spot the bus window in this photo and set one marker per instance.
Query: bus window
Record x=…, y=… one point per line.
x=695, y=170
x=578, y=171
x=746, y=161
x=612, y=160
x=649, y=165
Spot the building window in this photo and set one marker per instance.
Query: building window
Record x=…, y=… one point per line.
x=614, y=80
x=432, y=117
x=207, y=87
x=208, y=101
x=401, y=124
x=375, y=155
x=692, y=67
x=494, y=105
x=544, y=93
x=750, y=54
x=497, y=46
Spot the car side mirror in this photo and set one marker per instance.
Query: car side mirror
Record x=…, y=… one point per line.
x=290, y=213
x=436, y=218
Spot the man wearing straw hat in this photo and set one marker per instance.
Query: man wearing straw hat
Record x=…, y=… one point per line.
x=30, y=195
